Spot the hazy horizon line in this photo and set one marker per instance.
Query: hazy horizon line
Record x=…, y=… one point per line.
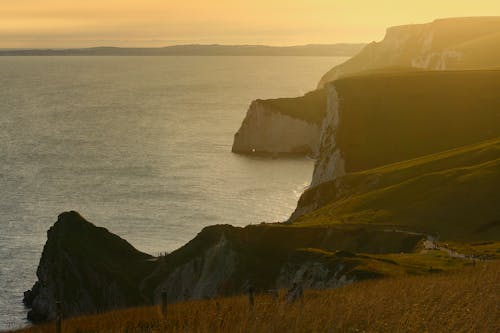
x=183, y=44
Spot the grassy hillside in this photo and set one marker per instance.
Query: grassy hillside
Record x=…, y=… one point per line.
x=387, y=118
x=310, y=107
x=466, y=301
x=453, y=193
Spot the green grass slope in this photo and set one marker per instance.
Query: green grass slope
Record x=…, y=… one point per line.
x=454, y=194
x=386, y=118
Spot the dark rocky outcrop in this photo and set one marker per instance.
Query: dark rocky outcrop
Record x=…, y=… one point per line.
x=88, y=268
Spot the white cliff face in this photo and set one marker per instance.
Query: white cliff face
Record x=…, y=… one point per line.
x=330, y=164
x=437, y=60
x=424, y=49
x=313, y=275
x=267, y=131
x=203, y=277
x=423, y=46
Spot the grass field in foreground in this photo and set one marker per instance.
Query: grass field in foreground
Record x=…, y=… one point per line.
x=465, y=301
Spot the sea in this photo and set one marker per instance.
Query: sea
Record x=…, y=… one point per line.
x=139, y=145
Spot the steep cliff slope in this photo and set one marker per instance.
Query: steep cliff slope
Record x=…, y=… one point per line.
x=282, y=126
x=445, y=44
x=377, y=119
x=454, y=43
x=88, y=268
x=91, y=270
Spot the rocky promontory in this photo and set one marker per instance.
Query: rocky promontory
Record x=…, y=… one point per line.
x=382, y=119
x=292, y=125
x=402, y=157
x=282, y=126
x=90, y=270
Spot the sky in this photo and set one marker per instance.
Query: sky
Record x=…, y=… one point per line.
x=84, y=23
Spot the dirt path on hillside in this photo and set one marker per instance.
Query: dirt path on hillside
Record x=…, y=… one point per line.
x=431, y=243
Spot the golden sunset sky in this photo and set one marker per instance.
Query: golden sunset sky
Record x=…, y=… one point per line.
x=83, y=23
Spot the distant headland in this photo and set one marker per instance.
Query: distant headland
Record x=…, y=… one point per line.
x=339, y=50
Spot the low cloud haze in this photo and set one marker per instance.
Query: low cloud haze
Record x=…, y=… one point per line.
x=63, y=23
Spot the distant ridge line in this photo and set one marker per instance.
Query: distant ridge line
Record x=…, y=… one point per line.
x=340, y=49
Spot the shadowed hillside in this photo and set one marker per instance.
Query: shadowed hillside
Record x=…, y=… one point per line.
x=377, y=119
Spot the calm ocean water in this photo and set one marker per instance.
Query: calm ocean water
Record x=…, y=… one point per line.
x=139, y=145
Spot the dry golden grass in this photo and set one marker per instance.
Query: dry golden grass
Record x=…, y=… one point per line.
x=465, y=301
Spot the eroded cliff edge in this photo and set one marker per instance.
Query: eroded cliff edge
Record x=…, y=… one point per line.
x=444, y=44
x=380, y=135
x=381, y=119
x=282, y=126
x=91, y=270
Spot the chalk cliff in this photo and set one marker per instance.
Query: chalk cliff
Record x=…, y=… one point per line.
x=389, y=158
x=444, y=44
x=378, y=119
x=282, y=126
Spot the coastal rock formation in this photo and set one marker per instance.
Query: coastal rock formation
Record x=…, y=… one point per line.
x=379, y=119
x=374, y=120
x=226, y=260
x=282, y=126
x=88, y=269
x=91, y=270
x=445, y=44
x=402, y=155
